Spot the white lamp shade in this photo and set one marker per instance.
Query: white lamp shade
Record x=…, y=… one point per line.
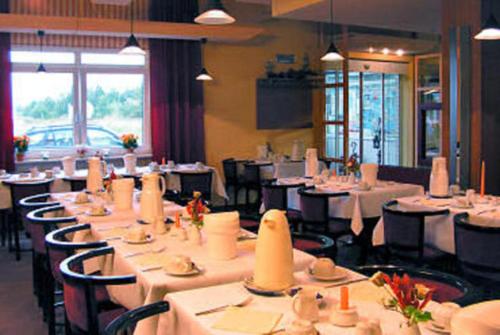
x=204, y=75
x=214, y=17
x=490, y=31
x=332, y=54
x=132, y=47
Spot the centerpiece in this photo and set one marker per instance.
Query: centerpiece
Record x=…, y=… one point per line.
x=21, y=144
x=407, y=298
x=129, y=142
x=196, y=208
x=352, y=167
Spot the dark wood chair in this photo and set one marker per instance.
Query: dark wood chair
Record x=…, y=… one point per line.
x=125, y=324
x=314, y=244
x=76, y=184
x=478, y=253
x=194, y=181
x=275, y=196
x=18, y=191
x=253, y=181
x=408, y=175
x=404, y=233
x=84, y=314
x=59, y=247
x=232, y=179
x=447, y=287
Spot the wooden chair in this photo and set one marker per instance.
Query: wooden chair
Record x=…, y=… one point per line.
x=194, y=181
x=84, y=314
x=314, y=244
x=275, y=196
x=232, y=179
x=125, y=324
x=253, y=181
x=76, y=184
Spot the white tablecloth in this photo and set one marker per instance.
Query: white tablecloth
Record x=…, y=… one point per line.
x=360, y=204
x=440, y=230
x=281, y=169
x=181, y=318
x=153, y=285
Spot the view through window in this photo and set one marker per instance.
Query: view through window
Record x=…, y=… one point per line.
x=83, y=98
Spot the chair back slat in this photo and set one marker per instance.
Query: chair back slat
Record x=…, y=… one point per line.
x=230, y=171
x=402, y=174
x=196, y=181
x=274, y=197
x=314, y=208
x=20, y=190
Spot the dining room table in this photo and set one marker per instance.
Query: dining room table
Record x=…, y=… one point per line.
x=360, y=204
x=278, y=169
x=440, y=230
x=146, y=260
x=201, y=311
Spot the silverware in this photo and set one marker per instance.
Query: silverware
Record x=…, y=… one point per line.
x=152, y=268
x=139, y=253
x=113, y=238
x=111, y=228
x=346, y=282
x=221, y=308
x=486, y=211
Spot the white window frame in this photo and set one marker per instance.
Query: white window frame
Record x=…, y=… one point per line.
x=79, y=72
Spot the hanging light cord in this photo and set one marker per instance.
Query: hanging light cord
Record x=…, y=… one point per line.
x=131, y=17
x=41, y=34
x=331, y=20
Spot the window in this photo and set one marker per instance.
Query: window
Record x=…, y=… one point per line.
x=86, y=98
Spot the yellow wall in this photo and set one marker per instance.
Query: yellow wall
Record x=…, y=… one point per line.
x=230, y=100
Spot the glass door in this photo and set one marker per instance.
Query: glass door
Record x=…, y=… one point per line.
x=334, y=134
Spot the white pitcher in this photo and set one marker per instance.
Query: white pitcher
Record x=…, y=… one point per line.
x=151, y=197
x=123, y=192
x=94, y=175
x=222, y=233
x=439, y=181
x=130, y=163
x=69, y=165
x=369, y=172
x=305, y=306
x=312, y=165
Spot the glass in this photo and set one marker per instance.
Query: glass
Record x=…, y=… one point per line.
x=391, y=119
x=428, y=72
x=432, y=133
x=334, y=141
x=112, y=59
x=115, y=106
x=43, y=108
x=372, y=118
x=46, y=57
x=354, y=113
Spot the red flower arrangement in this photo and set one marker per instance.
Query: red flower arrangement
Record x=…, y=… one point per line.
x=196, y=208
x=352, y=165
x=21, y=143
x=407, y=297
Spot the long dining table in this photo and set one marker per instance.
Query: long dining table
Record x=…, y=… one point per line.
x=152, y=285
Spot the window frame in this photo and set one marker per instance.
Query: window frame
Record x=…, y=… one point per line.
x=79, y=72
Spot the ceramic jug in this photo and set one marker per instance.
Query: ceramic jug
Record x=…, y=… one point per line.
x=273, y=252
x=94, y=176
x=222, y=231
x=152, y=197
x=130, y=163
x=312, y=164
x=69, y=165
x=369, y=172
x=305, y=306
x=123, y=192
x=439, y=181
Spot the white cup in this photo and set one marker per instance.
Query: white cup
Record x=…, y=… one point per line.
x=3, y=172
x=470, y=195
x=171, y=164
x=49, y=174
x=323, y=267
x=34, y=172
x=123, y=191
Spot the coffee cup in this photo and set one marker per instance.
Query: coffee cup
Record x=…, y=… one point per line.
x=56, y=169
x=154, y=167
x=300, y=327
x=305, y=305
x=82, y=198
x=323, y=267
x=3, y=172
x=178, y=264
x=98, y=209
x=49, y=174
x=199, y=165
x=136, y=234
x=470, y=195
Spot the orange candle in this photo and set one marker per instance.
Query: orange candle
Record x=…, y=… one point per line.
x=344, y=298
x=177, y=220
x=483, y=168
x=163, y=161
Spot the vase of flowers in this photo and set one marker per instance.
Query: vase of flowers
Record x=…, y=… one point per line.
x=196, y=208
x=81, y=150
x=129, y=142
x=407, y=298
x=21, y=144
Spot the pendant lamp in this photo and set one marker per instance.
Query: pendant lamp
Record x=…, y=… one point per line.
x=204, y=75
x=132, y=46
x=332, y=54
x=215, y=14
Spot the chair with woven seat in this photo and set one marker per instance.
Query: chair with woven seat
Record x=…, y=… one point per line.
x=85, y=315
x=18, y=191
x=446, y=287
x=194, y=181
x=404, y=233
x=125, y=324
x=275, y=196
x=253, y=180
x=40, y=226
x=314, y=244
x=232, y=178
x=478, y=252
x=59, y=247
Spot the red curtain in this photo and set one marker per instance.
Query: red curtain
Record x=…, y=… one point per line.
x=6, y=122
x=177, y=113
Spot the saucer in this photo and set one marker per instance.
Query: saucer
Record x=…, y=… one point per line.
x=196, y=270
x=321, y=294
x=5, y=176
x=435, y=328
x=456, y=205
x=149, y=239
x=252, y=288
x=106, y=213
x=339, y=274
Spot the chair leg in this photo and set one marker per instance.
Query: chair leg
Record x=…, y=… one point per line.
x=3, y=227
x=9, y=232
x=50, y=303
x=16, y=241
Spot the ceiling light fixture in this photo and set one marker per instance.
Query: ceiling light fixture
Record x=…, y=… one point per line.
x=132, y=46
x=491, y=29
x=385, y=51
x=215, y=14
x=400, y=52
x=204, y=75
x=332, y=54
x=41, y=68
x=371, y=50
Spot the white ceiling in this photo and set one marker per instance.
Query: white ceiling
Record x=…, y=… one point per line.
x=405, y=15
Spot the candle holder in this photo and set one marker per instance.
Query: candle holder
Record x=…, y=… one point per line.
x=344, y=317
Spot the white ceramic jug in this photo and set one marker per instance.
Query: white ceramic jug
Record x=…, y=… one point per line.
x=151, y=197
x=312, y=165
x=439, y=181
x=222, y=231
x=123, y=192
x=273, y=252
x=369, y=172
x=305, y=306
x=297, y=150
x=69, y=165
x=130, y=163
x=262, y=152
x=94, y=176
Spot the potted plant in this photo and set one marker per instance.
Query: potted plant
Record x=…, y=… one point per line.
x=129, y=142
x=196, y=208
x=407, y=298
x=21, y=144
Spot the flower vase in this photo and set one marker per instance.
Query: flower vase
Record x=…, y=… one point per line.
x=130, y=150
x=194, y=235
x=412, y=329
x=20, y=156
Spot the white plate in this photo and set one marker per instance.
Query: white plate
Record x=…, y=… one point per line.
x=106, y=212
x=5, y=176
x=149, y=239
x=432, y=326
x=195, y=271
x=339, y=274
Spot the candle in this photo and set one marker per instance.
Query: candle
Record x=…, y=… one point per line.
x=163, y=161
x=483, y=168
x=344, y=298
x=177, y=220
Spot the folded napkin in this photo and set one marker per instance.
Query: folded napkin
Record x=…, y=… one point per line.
x=435, y=202
x=247, y=320
x=366, y=291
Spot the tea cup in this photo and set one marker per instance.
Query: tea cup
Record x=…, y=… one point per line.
x=323, y=267
x=34, y=172
x=171, y=164
x=178, y=264
x=300, y=327
x=304, y=304
x=49, y=174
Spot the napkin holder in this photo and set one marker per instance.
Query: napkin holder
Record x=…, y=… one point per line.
x=344, y=317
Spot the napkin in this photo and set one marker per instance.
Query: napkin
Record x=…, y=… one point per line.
x=366, y=291
x=118, y=231
x=247, y=320
x=150, y=259
x=435, y=202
